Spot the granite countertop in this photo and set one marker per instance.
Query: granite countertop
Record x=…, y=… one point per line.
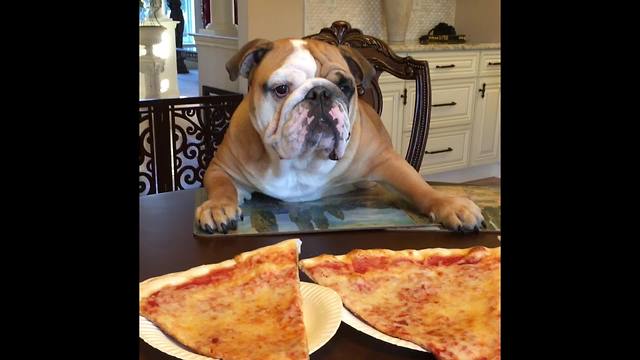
x=416, y=46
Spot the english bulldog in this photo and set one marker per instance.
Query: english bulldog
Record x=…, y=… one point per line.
x=302, y=133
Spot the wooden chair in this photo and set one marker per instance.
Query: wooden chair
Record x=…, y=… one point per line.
x=384, y=59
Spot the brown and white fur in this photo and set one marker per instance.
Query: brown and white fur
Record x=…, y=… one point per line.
x=302, y=133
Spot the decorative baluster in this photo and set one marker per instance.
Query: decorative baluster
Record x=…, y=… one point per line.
x=222, y=21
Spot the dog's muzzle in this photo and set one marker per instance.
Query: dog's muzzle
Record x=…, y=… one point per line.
x=319, y=122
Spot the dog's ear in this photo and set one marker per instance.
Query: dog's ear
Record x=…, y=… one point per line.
x=247, y=58
x=360, y=67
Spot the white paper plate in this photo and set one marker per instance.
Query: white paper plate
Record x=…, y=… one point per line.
x=322, y=313
x=359, y=325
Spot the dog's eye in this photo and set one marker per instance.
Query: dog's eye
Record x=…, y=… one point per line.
x=346, y=88
x=281, y=90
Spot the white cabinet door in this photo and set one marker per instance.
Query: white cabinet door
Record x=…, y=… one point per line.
x=451, y=103
x=490, y=63
x=486, y=122
x=410, y=108
x=447, y=149
x=450, y=64
x=392, y=110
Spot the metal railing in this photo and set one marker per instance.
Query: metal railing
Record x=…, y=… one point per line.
x=178, y=138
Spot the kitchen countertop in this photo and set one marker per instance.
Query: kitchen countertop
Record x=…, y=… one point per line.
x=416, y=46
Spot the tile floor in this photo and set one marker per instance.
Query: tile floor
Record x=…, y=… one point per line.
x=188, y=84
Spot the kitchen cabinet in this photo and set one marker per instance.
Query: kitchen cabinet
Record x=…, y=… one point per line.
x=465, y=112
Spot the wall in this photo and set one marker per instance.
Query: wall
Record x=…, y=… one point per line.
x=274, y=19
x=268, y=19
x=367, y=16
x=479, y=20
x=213, y=54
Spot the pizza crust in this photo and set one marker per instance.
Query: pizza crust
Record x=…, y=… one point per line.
x=152, y=285
x=217, y=321
x=418, y=255
x=357, y=296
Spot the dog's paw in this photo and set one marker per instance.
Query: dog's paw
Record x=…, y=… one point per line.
x=218, y=216
x=456, y=213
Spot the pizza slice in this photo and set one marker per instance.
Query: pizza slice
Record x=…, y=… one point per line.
x=446, y=301
x=246, y=308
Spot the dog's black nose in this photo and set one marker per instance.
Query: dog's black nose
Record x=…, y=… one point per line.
x=318, y=93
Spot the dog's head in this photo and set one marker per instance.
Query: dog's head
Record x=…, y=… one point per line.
x=302, y=94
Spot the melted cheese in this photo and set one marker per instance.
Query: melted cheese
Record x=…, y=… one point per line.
x=251, y=311
x=452, y=310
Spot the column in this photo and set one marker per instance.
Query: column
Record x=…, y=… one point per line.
x=151, y=66
x=222, y=18
x=168, y=74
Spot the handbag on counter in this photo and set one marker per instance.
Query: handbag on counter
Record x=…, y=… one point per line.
x=442, y=33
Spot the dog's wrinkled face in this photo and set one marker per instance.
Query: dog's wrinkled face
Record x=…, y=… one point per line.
x=302, y=95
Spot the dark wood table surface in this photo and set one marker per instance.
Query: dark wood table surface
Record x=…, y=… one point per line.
x=167, y=245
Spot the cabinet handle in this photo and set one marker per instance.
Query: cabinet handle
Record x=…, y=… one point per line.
x=404, y=97
x=445, y=66
x=453, y=103
x=439, y=151
x=493, y=63
x=484, y=85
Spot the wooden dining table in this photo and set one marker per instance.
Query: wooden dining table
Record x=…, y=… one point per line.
x=167, y=244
